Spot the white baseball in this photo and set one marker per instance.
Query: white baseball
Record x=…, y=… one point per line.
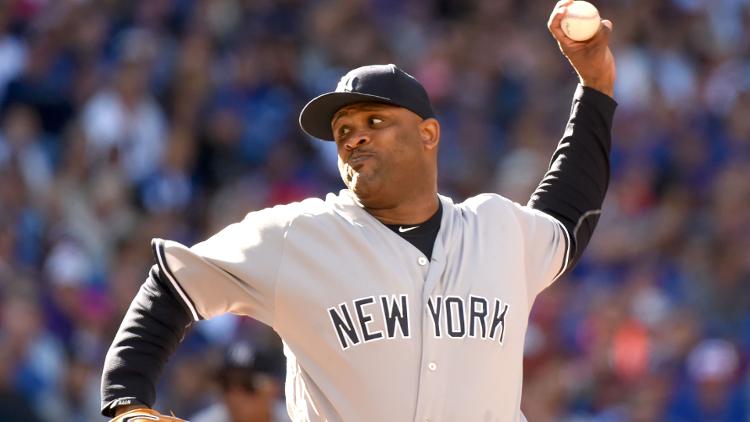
x=581, y=22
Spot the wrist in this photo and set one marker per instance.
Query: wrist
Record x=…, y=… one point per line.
x=605, y=87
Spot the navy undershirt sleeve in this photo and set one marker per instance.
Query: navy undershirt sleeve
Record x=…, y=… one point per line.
x=575, y=184
x=149, y=334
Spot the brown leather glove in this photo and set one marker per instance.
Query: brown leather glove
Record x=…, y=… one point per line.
x=145, y=415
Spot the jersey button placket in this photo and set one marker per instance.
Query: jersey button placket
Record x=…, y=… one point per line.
x=430, y=398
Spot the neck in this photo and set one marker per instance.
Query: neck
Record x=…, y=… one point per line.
x=415, y=210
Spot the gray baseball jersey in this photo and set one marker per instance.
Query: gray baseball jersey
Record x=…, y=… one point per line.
x=373, y=330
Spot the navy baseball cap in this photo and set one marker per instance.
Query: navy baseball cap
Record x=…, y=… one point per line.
x=385, y=84
x=241, y=357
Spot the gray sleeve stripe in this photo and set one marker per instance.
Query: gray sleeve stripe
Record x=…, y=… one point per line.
x=568, y=250
x=162, y=262
x=585, y=215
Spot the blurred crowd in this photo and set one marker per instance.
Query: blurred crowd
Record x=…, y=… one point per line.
x=123, y=120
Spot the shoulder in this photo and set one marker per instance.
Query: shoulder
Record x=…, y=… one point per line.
x=285, y=215
x=487, y=202
x=310, y=207
x=492, y=205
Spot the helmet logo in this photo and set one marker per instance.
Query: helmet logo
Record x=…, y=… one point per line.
x=346, y=84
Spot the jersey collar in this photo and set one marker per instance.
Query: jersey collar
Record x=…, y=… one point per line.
x=347, y=205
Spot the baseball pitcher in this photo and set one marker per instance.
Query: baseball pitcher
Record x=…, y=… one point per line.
x=394, y=303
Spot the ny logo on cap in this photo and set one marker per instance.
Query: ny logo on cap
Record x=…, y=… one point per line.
x=346, y=84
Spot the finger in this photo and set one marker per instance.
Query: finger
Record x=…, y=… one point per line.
x=606, y=30
x=602, y=35
x=555, y=15
x=554, y=24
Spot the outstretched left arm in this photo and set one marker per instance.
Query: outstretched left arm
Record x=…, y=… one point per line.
x=575, y=184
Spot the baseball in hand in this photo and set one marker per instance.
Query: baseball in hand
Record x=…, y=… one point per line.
x=581, y=22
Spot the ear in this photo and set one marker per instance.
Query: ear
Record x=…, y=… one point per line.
x=429, y=132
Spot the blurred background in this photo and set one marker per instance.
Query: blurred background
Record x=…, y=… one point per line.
x=123, y=120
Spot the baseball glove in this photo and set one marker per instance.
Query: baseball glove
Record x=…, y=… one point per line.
x=145, y=415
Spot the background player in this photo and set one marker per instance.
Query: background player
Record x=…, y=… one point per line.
x=386, y=294
x=249, y=388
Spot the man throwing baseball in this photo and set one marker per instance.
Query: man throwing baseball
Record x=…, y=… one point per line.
x=394, y=302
